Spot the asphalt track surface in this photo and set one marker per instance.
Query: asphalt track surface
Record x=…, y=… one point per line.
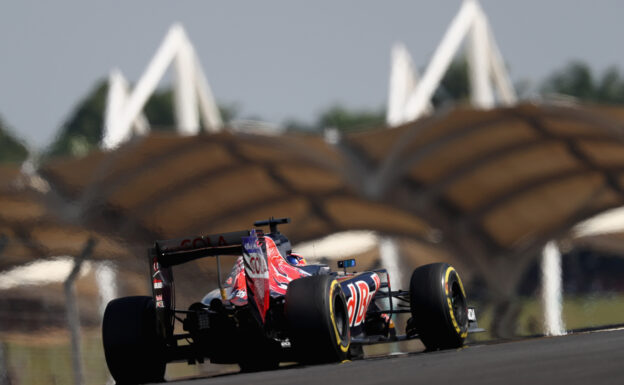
x=582, y=358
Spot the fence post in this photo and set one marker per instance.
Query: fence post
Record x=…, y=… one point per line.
x=73, y=317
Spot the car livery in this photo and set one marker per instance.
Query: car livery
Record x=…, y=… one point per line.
x=274, y=307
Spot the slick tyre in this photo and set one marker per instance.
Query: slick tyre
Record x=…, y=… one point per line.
x=438, y=306
x=134, y=354
x=318, y=320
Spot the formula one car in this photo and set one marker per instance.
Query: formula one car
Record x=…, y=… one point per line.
x=274, y=307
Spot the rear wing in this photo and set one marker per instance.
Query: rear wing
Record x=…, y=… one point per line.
x=177, y=251
x=165, y=254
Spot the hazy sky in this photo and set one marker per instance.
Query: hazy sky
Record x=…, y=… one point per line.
x=275, y=59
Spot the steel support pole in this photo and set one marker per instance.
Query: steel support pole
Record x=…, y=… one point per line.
x=552, y=298
x=185, y=97
x=481, y=92
x=440, y=61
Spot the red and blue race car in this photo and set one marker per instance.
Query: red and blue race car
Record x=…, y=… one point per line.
x=275, y=307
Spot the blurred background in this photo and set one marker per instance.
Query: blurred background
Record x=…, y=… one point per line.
x=485, y=134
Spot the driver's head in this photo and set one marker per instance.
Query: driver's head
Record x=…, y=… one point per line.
x=295, y=259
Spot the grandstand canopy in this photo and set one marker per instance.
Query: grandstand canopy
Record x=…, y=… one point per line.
x=164, y=185
x=510, y=177
x=484, y=184
x=30, y=229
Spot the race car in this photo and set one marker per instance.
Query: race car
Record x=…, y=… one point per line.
x=275, y=307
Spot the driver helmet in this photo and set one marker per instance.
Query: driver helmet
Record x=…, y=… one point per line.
x=295, y=259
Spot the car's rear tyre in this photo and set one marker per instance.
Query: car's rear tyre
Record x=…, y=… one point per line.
x=438, y=306
x=316, y=312
x=134, y=353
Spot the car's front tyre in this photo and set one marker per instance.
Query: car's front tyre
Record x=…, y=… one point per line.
x=438, y=306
